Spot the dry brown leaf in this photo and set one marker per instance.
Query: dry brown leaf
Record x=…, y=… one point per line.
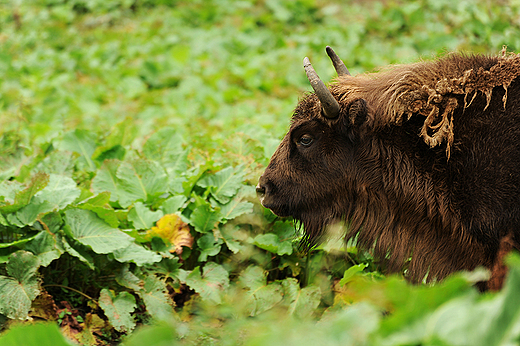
x=44, y=307
x=174, y=231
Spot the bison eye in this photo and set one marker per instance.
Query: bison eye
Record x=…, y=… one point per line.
x=305, y=140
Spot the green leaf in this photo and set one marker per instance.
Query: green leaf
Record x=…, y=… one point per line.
x=37, y=334
x=261, y=296
x=351, y=272
x=79, y=251
x=208, y=246
x=29, y=214
x=223, y=185
x=173, y=204
x=165, y=147
x=272, y=243
x=234, y=209
x=128, y=279
x=106, y=180
x=156, y=298
x=46, y=247
x=211, y=284
x=82, y=142
x=59, y=192
x=18, y=290
x=302, y=302
x=88, y=229
x=23, y=197
x=118, y=309
x=204, y=218
x=233, y=237
x=137, y=254
x=99, y=205
x=142, y=217
x=140, y=180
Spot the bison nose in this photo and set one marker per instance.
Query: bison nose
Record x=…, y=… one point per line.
x=260, y=190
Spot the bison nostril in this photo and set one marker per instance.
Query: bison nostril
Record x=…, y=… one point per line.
x=260, y=190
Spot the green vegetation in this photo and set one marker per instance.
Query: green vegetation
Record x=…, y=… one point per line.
x=132, y=134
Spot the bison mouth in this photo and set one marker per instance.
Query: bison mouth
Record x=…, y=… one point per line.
x=267, y=201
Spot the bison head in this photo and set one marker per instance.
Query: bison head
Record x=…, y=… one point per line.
x=312, y=176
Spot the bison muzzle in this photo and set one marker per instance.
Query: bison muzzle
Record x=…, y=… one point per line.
x=421, y=161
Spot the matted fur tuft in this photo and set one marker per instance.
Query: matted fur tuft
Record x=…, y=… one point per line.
x=429, y=89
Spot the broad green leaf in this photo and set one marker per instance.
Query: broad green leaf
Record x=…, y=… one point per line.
x=59, y=192
x=23, y=197
x=233, y=237
x=118, y=309
x=46, y=246
x=79, y=251
x=9, y=189
x=34, y=334
x=106, y=180
x=173, y=204
x=272, y=243
x=261, y=296
x=351, y=272
x=155, y=295
x=223, y=185
x=158, y=334
x=165, y=147
x=302, y=302
x=208, y=246
x=140, y=180
x=18, y=242
x=137, y=254
x=204, y=218
x=99, y=205
x=211, y=284
x=18, y=290
x=29, y=214
x=121, y=135
x=253, y=278
x=169, y=267
x=88, y=229
x=142, y=217
x=82, y=142
x=234, y=208
x=128, y=279
x=57, y=162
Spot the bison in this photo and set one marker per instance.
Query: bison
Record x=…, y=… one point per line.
x=422, y=161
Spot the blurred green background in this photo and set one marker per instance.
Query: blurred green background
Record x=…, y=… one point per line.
x=212, y=68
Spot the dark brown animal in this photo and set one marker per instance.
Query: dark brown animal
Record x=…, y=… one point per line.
x=422, y=161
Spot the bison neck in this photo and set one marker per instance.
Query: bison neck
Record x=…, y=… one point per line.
x=407, y=218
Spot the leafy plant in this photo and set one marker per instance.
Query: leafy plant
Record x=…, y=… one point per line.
x=132, y=136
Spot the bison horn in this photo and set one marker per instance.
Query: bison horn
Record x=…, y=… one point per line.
x=329, y=104
x=339, y=66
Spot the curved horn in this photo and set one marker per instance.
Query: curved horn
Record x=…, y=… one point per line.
x=339, y=66
x=329, y=104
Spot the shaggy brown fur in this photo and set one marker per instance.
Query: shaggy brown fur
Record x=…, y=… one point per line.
x=422, y=162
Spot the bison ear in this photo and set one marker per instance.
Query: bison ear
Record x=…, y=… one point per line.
x=357, y=112
x=357, y=115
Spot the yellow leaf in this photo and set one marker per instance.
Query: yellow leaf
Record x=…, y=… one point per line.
x=171, y=229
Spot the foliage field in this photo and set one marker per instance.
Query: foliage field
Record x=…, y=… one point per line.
x=132, y=134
